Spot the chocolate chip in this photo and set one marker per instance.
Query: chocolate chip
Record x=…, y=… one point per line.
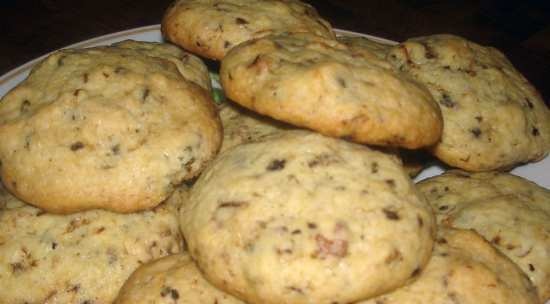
x=60, y=60
x=115, y=149
x=415, y=272
x=476, y=132
x=232, y=204
x=447, y=101
x=535, y=132
x=390, y=214
x=146, y=93
x=479, y=118
x=531, y=267
x=240, y=21
x=342, y=82
x=226, y=44
x=25, y=105
x=311, y=225
x=374, y=168
x=276, y=165
x=77, y=146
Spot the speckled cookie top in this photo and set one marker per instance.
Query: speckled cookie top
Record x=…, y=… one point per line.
x=78, y=258
x=493, y=117
x=104, y=128
x=301, y=218
x=464, y=269
x=173, y=279
x=509, y=211
x=212, y=27
x=191, y=67
x=324, y=85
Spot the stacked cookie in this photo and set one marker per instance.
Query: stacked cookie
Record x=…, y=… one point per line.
x=90, y=134
x=305, y=197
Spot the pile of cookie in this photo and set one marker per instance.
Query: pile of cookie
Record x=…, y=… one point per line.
x=124, y=181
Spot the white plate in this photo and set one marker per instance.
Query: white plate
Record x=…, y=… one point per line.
x=537, y=172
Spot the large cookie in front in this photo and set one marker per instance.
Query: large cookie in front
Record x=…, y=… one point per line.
x=78, y=258
x=104, y=128
x=493, y=117
x=172, y=279
x=301, y=218
x=329, y=87
x=464, y=269
x=509, y=211
x=211, y=28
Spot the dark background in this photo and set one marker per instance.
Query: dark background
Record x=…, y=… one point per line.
x=521, y=29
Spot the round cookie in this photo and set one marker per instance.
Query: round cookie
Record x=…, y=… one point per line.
x=324, y=85
x=241, y=125
x=104, y=127
x=78, y=258
x=301, y=218
x=190, y=66
x=211, y=28
x=509, y=211
x=494, y=118
x=172, y=279
x=464, y=269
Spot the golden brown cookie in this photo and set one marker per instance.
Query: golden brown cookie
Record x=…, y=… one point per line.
x=172, y=279
x=298, y=217
x=78, y=258
x=493, y=117
x=326, y=86
x=509, y=211
x=211, y=28
x=104, y=127
x=464, y=269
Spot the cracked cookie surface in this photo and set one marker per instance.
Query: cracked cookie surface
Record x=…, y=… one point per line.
x=105, y=127
x=303, y=218
x=334, y=89
x=211, y=28
x=510, y=212
x=493, y=117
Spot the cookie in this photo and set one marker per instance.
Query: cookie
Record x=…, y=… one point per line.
x=464, y=269
x=509, y=211
x=494, y=118
x=358, y=44
x=211, y=28
x=191, y=67
x=323, y=85
x=172, y=279
x=104, y=127
x=241, y=125
x=78, y=258
x=301, y=218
